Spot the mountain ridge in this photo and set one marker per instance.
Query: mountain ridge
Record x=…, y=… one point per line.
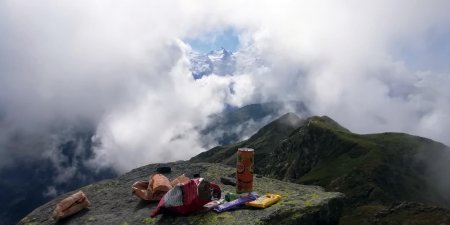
x=371, y=169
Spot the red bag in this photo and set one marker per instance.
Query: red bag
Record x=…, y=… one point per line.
x=188, y=197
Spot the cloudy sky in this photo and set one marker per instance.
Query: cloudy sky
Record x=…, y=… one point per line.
x=122, y=67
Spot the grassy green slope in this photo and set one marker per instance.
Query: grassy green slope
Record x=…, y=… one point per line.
x=264, y=141
x=373, y=170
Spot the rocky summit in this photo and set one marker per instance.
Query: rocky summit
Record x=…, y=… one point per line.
x=113, y=203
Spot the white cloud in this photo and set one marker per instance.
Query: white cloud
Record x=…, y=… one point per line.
x=122, y=66
x=50, y=192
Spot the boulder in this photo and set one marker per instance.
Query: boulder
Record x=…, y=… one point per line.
x=113, y=203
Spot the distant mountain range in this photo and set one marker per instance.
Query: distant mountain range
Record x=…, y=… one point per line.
x=223, y=62
x=239, y=124
x=219, y=62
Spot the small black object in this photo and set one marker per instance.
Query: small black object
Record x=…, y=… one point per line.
x=216, y=194
x=164, y=169
x=228, y=181
x=203, y=190
x=258, y=176
x=196, y=175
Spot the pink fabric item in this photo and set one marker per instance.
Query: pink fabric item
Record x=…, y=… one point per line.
x=187, y=197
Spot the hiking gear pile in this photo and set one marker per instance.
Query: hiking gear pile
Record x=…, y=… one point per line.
x=180, y=196
x=188, y=197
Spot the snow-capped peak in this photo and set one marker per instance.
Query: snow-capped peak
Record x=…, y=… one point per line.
x=219, y=62
x=219, y=54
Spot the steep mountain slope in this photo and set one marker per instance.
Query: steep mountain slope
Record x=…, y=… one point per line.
x=374, y=169
x=234, y=125
x=265, y=140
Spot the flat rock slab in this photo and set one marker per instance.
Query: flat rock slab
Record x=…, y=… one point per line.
x=113, y=203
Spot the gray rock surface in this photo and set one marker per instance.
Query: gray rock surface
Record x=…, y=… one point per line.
x=113, y=203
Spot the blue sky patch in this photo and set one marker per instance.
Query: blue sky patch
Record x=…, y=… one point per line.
x=431, y=54
x=227, y=39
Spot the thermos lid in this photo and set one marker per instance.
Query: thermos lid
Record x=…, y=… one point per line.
x=246, y=149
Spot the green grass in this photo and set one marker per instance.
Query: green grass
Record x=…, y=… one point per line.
x=149, y=220
x=328, y=170
x=371, y=169
x=327, y=123
x=360, y=215
x=331, y=168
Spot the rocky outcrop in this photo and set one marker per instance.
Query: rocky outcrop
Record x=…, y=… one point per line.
x=112, y=202
x=413, y=213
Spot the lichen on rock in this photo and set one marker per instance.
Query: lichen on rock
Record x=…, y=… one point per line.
x=112, y=202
